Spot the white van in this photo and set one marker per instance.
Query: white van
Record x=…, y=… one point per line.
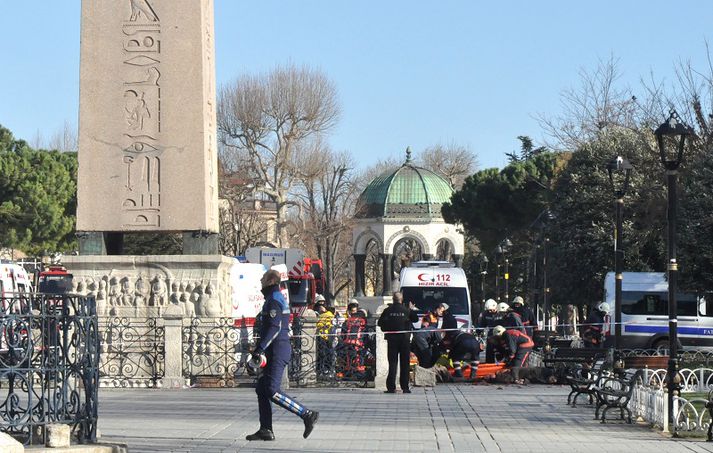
x=644, y=312
x=430, y=283
x=14, y=278
x=247, y=297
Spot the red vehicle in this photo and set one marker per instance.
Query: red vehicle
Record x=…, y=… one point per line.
x=306, y=280
x=54, y=280
x=305, y=275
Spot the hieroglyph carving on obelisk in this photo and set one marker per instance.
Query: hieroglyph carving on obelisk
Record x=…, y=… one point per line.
x=147, y=150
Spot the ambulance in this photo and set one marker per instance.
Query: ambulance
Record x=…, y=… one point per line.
x=14, y=279
x=430, y=283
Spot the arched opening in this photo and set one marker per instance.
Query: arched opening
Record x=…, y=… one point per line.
x=444, y=250
x=406, y=251
x=373, y=269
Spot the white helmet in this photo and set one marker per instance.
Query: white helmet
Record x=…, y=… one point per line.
x=518, y=300
x=490, y=304
x=603, y=307
x=498, y=330
x=319, y=298
x=503, y=307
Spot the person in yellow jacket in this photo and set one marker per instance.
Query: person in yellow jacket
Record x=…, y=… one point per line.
x=325, y=340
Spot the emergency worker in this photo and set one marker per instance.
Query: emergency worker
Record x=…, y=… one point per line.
x=273, y=354
x=592, y=331
x=515, y=347
x=464, y=346
x=425, y=343
x=488, y=318
x=526, y=316
x=508, y=318
x=398, y=319
x=325, y=339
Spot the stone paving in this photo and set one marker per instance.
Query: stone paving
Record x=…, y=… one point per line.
x=447, y=418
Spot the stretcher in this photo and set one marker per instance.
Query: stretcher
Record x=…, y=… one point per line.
x=484, y=371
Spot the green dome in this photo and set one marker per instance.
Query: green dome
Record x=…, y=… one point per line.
x=407, y=192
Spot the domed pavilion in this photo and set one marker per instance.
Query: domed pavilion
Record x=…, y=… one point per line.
x=398, y=220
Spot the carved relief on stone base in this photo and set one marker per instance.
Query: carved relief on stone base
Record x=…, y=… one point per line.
x=144, y=286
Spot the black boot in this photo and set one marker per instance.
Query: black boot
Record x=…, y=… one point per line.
x=261, y=434
x=310, y=418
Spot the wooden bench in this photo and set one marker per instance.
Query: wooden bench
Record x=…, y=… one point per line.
x=574, y=355
x=584, y=379
x=614, y=392
x=651, y=362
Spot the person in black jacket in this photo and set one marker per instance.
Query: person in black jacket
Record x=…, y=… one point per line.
x=526, y=316
x=593, y=328
x=398, y=319
x=425, y=343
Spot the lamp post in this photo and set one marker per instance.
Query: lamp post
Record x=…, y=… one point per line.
x=483, y=267
x=504, y=246
x=672, y=132
x=498, y=251
x=619, y=170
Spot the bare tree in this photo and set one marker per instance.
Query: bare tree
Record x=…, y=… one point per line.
x=595, y=105
x=452, y=161
x=267, y=116
x=64, y=139
x=326, y=196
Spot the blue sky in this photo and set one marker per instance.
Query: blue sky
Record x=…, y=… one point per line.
x=408, y=72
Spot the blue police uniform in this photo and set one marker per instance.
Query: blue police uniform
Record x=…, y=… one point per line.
x=275, y=344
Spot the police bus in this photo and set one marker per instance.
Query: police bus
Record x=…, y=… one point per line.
x=430, y=283
x=644, y=312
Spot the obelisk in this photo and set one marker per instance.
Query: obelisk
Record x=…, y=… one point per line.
x=147, y=121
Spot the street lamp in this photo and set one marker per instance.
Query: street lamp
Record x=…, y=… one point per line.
x=483, y=268
x=619, y=172
x=672, y=132
x=505, y=245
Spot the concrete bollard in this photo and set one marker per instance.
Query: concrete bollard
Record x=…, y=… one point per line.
x=57, y=436
x=10, y=445
x=424, y=377
x=382, y=360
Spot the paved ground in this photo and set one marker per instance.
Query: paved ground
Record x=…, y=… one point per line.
x=447, y=418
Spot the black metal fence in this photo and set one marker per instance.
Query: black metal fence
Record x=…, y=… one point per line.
x=132, y=351
x=214, y=352
x=49, y=358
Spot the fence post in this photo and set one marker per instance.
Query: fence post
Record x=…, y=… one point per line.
x=307, y=350
x=382, y=360
x=173, y=348
x=665, y=412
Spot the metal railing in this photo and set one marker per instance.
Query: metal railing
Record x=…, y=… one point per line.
x=132, y=351
x=49, y=359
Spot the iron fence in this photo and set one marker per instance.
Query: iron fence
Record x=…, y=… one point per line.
x=132, y=351
x=215, y=352
x=49, y=358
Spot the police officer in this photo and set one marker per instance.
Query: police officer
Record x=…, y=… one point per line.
x=273, y=354
x=398, y=318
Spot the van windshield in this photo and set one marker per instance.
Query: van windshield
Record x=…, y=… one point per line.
x=427, y=299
